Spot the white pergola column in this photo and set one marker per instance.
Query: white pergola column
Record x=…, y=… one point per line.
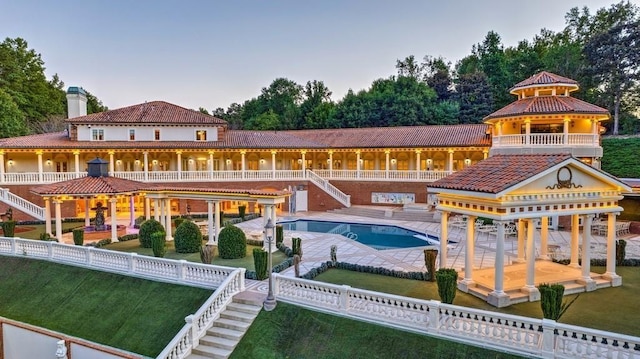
x=179, y=163
x=498, y=297
x=132, y=211
x=147, y=208
x=57, y=203
x=167, y=208
x=47, y=215
x=530, y=286
x=217, y=226
x=544, y=237
x=87, y=215
x=575, y=234
x=610, y=274
x=469, y=257
x=273, y=164
x=40, y=170
x=590, y=284
x=145, y=162
x=521, y=234
x=444, y=238
x=114, y=219
x=76, y=161
x=163, y=214
x=156, y=210
x=210, y=227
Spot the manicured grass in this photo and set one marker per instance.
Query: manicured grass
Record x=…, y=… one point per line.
x=293, y=332
x=611, y=309
x=129, y=313
x=246, y=262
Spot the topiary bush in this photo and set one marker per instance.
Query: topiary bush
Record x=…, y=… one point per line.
x=242, y=210
x=188, y=238
x=279, y=234
x=621, y=251
x=447, y=279
x=551, y=301
x=430, y=256
x=78, y=236
x=9, y=228
x=296, y=246
x=260, y=261
x=159, y=244
x=147, y=228
x=232, y=243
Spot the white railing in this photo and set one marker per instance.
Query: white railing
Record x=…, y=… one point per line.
x=129, y=175
x=546, y=139
x=21, y=204
x=332, y=190
x=382, y=175
x=158, y=269
x=50, y=177
x=21, y=178
x=503, y=332
x=197, y=324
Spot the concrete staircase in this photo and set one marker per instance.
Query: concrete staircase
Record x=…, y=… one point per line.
x=395, y=213
x=229, y=329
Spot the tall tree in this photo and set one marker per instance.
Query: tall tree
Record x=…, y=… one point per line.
x=474, y=96
x=409, y=67
x=437, y=74
x=316, y=107
x=11, y=118
x=493, y=63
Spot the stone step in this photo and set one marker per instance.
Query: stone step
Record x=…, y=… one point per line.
x=212, y=352
x=198, y=356
x=250, y=298
x=218, y=342
x=245, y=308
x=225, y=333
x=232, y=324
x=237, y=316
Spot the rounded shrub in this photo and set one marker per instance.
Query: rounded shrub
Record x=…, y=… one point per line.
x=232, y=243
x=147, y=228
x=188, y=238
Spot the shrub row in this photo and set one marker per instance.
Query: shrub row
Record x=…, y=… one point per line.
x=601, y=262
x=249, y=274
x=314, y=272
x=64, y=220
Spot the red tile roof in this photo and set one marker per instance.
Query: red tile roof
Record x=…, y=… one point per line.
x=155, y=112
x=545, y=78
x=380, y=137
x=86, y=186
x=499, y=172
x=543, y=105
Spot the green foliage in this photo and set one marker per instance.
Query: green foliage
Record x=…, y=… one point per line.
x=296, y=246
x=620, y=156
x=232, y=243
x=147, y=228
x=447, y=279
x=12, y=123
x=8, y=228
x=279, y=234
x=621, y=251
x=128, y=237
x=221, y=219
x=207, y=253
x=430, y=256
x=138, y=221
x=551, y=301
x=242, y=211
x=260, y=261
x=78, y=236
x=178, y=221
x=159, y=244
x=188, y=238
x=44, y=236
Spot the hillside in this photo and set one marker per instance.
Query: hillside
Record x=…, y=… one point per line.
x=621, y=156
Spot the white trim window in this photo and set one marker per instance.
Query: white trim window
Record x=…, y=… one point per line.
x=132, y=134
x=201, y=135
x=97, y=134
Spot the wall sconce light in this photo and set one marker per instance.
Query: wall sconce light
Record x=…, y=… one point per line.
x=190, y=160
x=299, y=160
x=428, y=160
x=118, y=162
x=228, y=160
x=393, y=160
x=154, y=162
x=10, y=162
x=467, y=161
x=262, y=160
x=361, y=160
x=48, y=161
x=328, y=160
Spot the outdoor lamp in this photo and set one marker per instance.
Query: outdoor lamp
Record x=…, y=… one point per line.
x=269, y=303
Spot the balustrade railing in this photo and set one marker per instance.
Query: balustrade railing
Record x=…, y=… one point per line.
x=22, y=204
x=546, y=139
x=332, y=190
x=504, y=332
x=382, y=175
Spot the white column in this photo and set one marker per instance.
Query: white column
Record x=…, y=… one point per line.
x=485, y=154
x=179, y=164
x=211, y=165
x=575, y=234
x=39, y=153
x=243, y=163
x=1, y=167
x=304, y=164
x=76, y=161
x=521, y=230
x=544, y=237
x=57, y=204
x=216, y=209
x=273, y=164
x=586, y=250
x=111, y=163
x=565, y=131
x=156, y=210
x=358, y=167
x=47, y=215
x=498, y=297
x=132, y=211
x=167, y=208
x=610, y=274
x=114, y=219
x=87, y=214
x=330, y=164
x=387, y=163
x=450, y=160
x=210, y=228
x=531, y=255
x=146, y=165
x=147, y=208
x=417, y=161
x=527, y=128
x=469, y=255
x=444, y=238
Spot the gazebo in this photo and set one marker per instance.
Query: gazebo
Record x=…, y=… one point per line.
x=523, y=189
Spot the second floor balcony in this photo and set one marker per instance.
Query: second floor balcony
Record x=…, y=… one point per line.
x=579, y=145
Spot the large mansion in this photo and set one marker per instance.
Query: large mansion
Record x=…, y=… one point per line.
x=158, y=142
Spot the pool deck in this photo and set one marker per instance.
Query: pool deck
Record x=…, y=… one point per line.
x=316, y=246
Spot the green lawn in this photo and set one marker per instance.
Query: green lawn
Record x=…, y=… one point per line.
x=246, y=262
x=293, y=332
x=32, y=231
x=133, y=314
x=611, y=309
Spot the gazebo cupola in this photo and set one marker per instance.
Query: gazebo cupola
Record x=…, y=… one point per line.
x=98, y=168
x=545, y=119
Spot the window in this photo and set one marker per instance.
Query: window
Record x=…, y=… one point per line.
x=132, y=135
x=201, y=135
x=156, y=135
x=97, y=135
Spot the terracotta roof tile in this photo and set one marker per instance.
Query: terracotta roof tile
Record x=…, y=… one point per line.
x=499, y=172
x=155, y=112
x=544, y=78
x=547, y=105
x=89, y=186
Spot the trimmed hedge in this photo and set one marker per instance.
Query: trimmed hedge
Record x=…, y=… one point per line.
x=188, y=238
x=260, y=262
x=78, y=236
x=8, y=228
x=314, y=272
x=147, y=228
x=447, y=280
x=159, y=244
x=232, y=243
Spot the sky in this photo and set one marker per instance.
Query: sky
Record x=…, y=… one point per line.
x=213, y=53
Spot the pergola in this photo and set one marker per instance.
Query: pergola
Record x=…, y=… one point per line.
x=99, y=185
x=524, y=188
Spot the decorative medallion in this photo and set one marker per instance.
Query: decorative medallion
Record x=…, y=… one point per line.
x=564, y=177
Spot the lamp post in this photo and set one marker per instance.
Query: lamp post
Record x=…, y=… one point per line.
x=269, y=303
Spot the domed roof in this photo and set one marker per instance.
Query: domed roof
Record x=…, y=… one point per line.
x=544, y=78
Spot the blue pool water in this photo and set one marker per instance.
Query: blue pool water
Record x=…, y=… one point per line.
x=375, y=236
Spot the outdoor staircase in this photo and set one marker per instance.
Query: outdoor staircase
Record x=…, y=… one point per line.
x=229, y=329
x=21, y=204
x=330, y=189
x=397, y=214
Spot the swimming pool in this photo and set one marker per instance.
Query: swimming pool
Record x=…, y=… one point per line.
x=376, y=236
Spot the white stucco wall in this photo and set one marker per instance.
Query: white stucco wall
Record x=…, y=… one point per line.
x=146, y=133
